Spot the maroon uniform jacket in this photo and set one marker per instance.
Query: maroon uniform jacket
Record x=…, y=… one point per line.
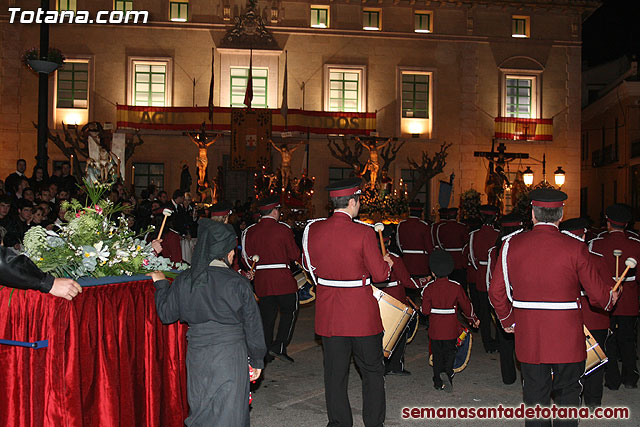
x=536, y=287
x=452, y=236
x=343, y=257
x=413, y=237
x=440, y=300
x=480, y=241
x=273, y=242
x=398, y=280
x=627, y=304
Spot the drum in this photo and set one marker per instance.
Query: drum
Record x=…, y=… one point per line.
x=463, y=352
x=305, y=287
x=395, y=316
x=595, y=355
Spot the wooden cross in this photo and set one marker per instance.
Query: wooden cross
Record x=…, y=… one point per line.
x=500, y=157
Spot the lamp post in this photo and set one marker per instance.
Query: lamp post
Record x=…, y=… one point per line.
x=42, y=156
x=559, y=175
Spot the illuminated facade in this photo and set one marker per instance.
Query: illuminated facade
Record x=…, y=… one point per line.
x=423, y=71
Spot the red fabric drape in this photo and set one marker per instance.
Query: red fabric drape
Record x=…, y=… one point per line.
x=110, y=361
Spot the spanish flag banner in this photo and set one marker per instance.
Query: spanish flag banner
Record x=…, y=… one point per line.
x=519, y=129
x=191, y=118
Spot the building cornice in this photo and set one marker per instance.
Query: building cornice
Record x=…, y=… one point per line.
x=624, y=89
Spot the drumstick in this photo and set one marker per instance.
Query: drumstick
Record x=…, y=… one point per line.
x=617, y=253
x=630, y=263
x=167, y=213
x=379, y=227
x=255, y=259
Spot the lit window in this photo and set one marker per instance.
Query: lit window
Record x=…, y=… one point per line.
x=415, y=95
x=520, y=96
x=123, y=5
x=344, y=88
x=423, y=22
x=239, y=78
x=72, y=85
x=150, y=83
x=371, y=20
x=67, y=5
x=520, y=26
x=320, y=16
x=178, y=11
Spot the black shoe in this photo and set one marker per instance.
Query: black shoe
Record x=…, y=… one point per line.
x=447, y=383
x=403, y=373
x=268, y=358
x=631, y=386
x=439, y=387
x=281, y=356
x=612, y=387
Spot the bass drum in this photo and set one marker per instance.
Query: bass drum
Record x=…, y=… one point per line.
x=306, y=293
x=412, y=328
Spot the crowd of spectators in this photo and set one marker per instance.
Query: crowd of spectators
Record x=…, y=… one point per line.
x=37, y=200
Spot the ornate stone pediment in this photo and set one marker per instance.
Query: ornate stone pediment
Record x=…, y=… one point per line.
x=249, y=32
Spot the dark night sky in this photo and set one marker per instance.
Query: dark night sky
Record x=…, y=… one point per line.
x=611, y=31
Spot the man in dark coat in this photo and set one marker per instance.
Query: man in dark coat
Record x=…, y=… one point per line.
x=224, y=328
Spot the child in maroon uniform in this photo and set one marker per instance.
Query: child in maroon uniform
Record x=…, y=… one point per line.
x=440, y=300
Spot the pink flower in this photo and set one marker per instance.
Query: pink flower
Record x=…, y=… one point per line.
x=99, y=210
x=145, y=262
x=78, y=214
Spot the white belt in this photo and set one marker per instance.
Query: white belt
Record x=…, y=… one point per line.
x=453, y=249
x=270, y=266
x=626, y=279
x=414, y=251
x=443, y=311
x=392, y=284
x=583, y=294
x=546, y=305
x=343, y=283
x=483, y=262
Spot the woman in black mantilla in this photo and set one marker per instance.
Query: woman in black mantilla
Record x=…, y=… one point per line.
x=224, y=328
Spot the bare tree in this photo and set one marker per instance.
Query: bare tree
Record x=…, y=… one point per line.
x=389, y=154
x=344, y=153
x=75, y=141
x=428, y=168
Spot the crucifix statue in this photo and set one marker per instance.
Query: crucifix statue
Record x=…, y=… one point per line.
x=496, y=178
x=373, y=164
x=201, y=140
x=285, y=167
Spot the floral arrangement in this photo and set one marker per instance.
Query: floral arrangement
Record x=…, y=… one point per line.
x=53, y=55
x=470, y=207
x=379, y=205
x=91, y=243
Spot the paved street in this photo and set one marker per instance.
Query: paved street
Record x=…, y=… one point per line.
x=293, y=395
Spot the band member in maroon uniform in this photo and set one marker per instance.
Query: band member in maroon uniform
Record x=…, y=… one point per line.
x=395, y=287
x=440, y=298
x=413, y=238
x=509, y=224
x=595, y=319
x=535, y=290
x=452, y=236
x=442, y=213
x=624, y=316
x=275, y=286
x=479, y=243
x=343, y=258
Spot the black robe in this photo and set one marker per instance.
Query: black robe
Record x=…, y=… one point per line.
x=224, y=329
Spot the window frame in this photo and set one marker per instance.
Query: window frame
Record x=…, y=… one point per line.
x=67, y=2
x=137, y=60
x=362, y=85
x=370, y=11
x=124, y=3
x=536, y=98
x=428, y=94
x=420, y=127
x=418, y=13
x=344, y=171
x=246, y=79
x=317, y=7
x=179, y=4
x=137, y=165
x=515, y=19
x=408, y=178
x=86, y=61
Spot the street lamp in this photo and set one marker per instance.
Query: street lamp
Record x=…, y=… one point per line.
x=559, y=175
x=527, y=176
